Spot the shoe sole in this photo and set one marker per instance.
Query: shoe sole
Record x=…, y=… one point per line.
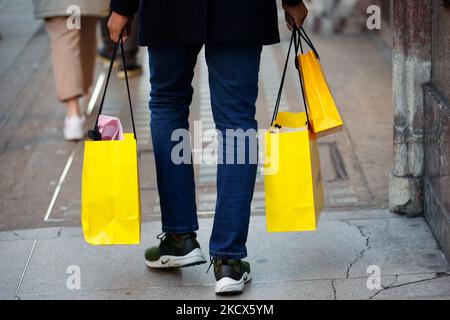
x=194, y=258
x=228, y=286
x=73, y=137
x=107, y=61
x=131, y=73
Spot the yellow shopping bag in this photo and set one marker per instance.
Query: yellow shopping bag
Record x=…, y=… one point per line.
x=323, y=114
x=292, y=176
x=110, y=210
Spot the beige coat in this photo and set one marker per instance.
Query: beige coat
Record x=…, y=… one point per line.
x=58, y=8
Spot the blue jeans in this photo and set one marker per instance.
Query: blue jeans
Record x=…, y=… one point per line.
x=233, y=81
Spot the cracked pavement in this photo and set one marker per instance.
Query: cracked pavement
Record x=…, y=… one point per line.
x=360, y=254
x=331, y=263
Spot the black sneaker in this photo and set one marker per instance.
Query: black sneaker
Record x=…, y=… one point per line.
x=231, y=275
x=175, y=254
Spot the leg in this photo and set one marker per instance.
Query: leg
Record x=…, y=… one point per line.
x=171, y=73
x=233, y=76
x=68, y=71
x=66, y=59
x=88, y=50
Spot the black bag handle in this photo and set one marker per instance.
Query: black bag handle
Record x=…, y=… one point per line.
x=305, y=37
x=296, y=37
x=95, y=134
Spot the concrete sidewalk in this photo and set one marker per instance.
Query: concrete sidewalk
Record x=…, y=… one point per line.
x=329, y=264
x=17, y=26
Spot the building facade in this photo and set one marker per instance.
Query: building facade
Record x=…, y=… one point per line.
x=420, y=182
x=437, y=128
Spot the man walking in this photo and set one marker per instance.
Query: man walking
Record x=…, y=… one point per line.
x=233, y=33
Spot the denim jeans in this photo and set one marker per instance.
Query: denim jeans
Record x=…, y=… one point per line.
x=233, y=80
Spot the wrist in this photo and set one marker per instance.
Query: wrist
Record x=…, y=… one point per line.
x=121, y=18
x=120, y=15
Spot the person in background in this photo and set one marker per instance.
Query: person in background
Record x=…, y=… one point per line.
x=74, y=51
x=233, y=33
x=134, y=68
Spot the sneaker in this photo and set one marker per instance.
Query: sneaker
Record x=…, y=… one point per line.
x=74, y=128
x=231, y=275
x=104, y=57
x=134, y=69
x=175, y=254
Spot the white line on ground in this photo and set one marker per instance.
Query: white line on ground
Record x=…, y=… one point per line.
x=59, y=185
x=96, y=92
x=25, y=269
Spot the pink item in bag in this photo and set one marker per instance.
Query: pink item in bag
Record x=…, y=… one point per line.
x=110, y=128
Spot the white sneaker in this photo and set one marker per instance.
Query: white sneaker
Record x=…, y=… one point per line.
x=74, y=128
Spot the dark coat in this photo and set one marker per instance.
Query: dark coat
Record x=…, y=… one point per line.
x=204, y=21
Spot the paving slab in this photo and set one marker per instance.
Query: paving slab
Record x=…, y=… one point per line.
x=31, y=234
x=14, y=257
x=107, y=268
x=296, y=290
x=398, y=246
x=358, y=214
x=67, y=232
x=417, y=287
x=114, y=268
x=283, y=265
x=357, y=288
x=9, y=236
